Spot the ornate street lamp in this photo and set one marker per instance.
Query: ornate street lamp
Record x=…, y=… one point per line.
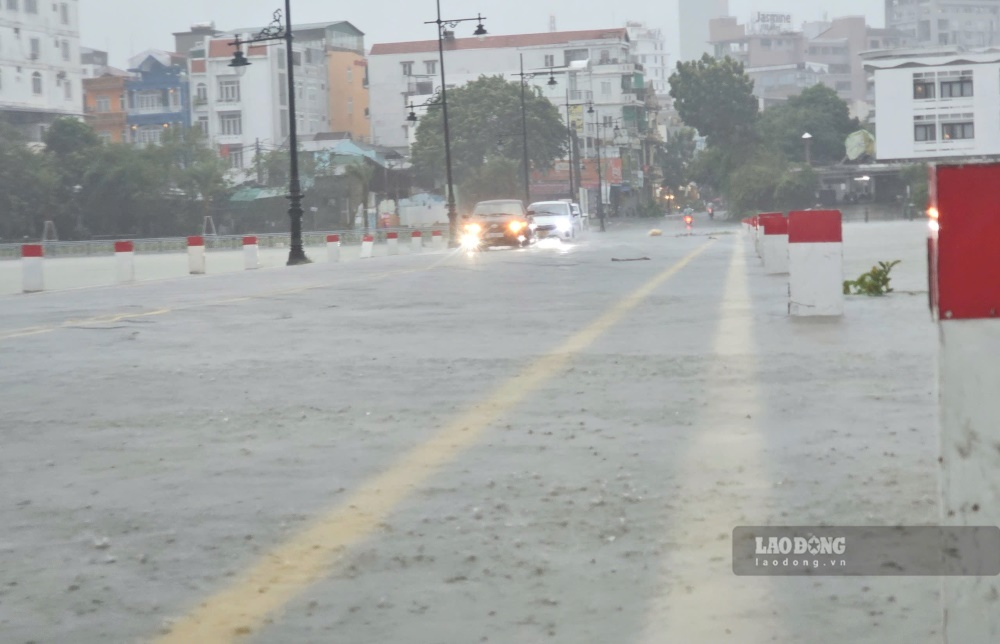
x=277, y=31
x=552, y=82
x=442, y=28
x=600, y=186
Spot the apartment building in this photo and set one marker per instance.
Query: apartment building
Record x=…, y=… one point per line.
x=933, y=23
x=649, y=49
x=105, y=108
x=156, y=95
x=936, y=103
x=40, y=69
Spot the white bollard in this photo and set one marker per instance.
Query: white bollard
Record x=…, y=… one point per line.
x=333, y=248
x=124, y=262
x=196, y=255
x=965, y=298
x=815, y=263
x=437, y=240
x=775, y=246
x=758, y=231
x=416, y=242
x=32, y=272
x=367, y=246
x=251, y=253
x=392, y=243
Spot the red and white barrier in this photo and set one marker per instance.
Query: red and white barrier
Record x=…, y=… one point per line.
x=32, y=271
x=333, y=248
x=124, y=262
x=965, y=299
x=815, y=263
x=196, y=255
x=392, y=243
x=251, y=253
x=416, y=242
x=367, y=246
x=758, y=231
x=437, y=240
x=775, y=245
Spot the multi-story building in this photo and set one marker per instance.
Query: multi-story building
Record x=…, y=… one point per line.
x=245, y=110
x=105, y=107
x=782, y=61
x=933, y=23
x=649, y=50
x=936, y=103
x=156, y=95
x=40, y=71
x=693, y=18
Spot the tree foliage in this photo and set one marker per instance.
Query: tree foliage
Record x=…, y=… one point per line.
x=484, y=121
x=498, y=178
x=819, y=111
x=27, y=184
x=675, y=158
x=716, y=98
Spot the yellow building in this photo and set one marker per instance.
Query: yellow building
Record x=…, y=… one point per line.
x=348, y=94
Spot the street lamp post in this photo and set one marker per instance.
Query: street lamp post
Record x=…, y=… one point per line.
x=480, y=31
x=275, y=31
x=807, y=140
x=524, y=127
x=569, y=138
x=600, y=181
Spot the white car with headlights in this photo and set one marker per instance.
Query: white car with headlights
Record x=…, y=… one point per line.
x=555, y=219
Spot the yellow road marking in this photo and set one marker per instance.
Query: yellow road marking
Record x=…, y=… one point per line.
x=287, y=570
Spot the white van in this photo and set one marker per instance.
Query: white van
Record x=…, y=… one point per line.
x=555, y=219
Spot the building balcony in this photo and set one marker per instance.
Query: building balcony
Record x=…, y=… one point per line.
x=161, y=109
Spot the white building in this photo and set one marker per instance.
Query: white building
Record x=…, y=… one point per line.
x=40, y=70
x=932, y=23
x=590, y=66
x=934, y=104
x=245, y=109
x=649, y=50
x=693, y=17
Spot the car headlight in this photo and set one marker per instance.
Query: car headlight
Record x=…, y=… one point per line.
x=473, y=229
x=563, y=226
x=516, y=226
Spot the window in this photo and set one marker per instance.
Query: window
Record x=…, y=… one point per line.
x=431, y=66
x=68, y=90
x=201, y=93
x=605, y=56
x=102, y=104
x=407, y=68
x=606, y=88
x=12, y=5
x=283, y=119
x=608, y=121
x=281, y=59
x=105, y=137
x=350, y=105
x=350, y=74
x=550, y=60
x=571, y=55
x=297, y=58
x=149, y=100
x=843, y=86
x=923, y=89
x=924, y=132
x=229, y=91
x=282, y=90
x=202, y=124
x=36, y=83
x=149, y=134
x=64, y=17
x=952, y=131
x=36, y=47
x=956, y=89
x=31, y=6
x=65, y=50
x=236, y=157
x=231, y=123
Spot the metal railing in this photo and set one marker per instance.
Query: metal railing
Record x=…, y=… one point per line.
x=98, y=248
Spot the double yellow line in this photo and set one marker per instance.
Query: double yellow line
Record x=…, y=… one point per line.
x=308, y=557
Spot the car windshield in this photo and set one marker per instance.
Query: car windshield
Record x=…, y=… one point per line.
x=545, y=209
x=510, y=208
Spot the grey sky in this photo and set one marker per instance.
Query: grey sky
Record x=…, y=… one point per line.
x=126, y=27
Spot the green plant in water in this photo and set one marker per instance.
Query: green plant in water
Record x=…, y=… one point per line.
x=875, y=282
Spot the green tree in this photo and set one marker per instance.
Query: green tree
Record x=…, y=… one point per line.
x=716, y=98
x=675, y=159
x=915, y=178
x=498, y=178
x=196, y=173
x=819, y=111
x=796, y=190
x=70, y=148
x=27, y=184
x=484, y=121
x=360, y=175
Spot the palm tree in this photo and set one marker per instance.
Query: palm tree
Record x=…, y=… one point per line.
x=360, y=174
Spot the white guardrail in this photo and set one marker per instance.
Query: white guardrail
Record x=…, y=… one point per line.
x=98, y=248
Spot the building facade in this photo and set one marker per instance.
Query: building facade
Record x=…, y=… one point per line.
x=933, y=23
x=936, y=104
x=40, y=70
x=104, y=107
x=156, y=96
x=245, y=111
x=693, y=18
x=649, y=49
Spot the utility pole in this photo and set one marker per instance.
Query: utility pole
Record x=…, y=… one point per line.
x=260, y=163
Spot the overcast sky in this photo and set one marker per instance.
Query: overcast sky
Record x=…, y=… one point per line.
x=126, y=27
